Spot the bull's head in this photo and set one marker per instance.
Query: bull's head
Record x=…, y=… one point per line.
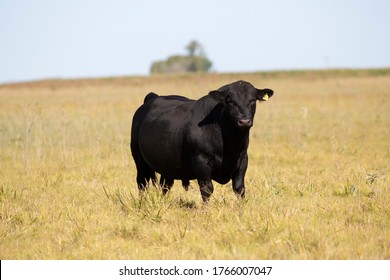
x=240, y=101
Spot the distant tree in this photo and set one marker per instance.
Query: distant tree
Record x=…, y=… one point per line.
x=194, y=47
x=195, y=61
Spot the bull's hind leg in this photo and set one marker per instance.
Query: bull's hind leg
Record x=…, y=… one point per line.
x=185, y=184
x=166, y=184
x=144, y=172
x=206, y=189
x=144, y=175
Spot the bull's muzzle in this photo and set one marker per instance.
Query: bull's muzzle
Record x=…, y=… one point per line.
x=245, y=123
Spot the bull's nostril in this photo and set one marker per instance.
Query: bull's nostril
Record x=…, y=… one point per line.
x=245, y=122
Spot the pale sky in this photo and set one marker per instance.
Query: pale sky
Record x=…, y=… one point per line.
x=92, y=38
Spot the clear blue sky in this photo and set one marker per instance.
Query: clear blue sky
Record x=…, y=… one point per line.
x=90, y=38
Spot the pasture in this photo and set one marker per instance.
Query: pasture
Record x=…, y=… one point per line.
x=318, y=183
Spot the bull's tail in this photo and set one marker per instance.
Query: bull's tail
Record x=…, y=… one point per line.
x=150, y=96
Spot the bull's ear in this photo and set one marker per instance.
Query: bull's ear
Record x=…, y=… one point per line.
x=218, y=95
x=264, y=94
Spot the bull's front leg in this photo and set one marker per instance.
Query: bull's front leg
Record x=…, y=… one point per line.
x=206, y=189
x=202, y=168
x=239, y=175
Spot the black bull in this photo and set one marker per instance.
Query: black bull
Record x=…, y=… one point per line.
x=205, y=139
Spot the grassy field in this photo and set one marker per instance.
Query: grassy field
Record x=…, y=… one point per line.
x=317, y=183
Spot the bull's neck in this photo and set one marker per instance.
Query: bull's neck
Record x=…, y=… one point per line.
x=234, y=138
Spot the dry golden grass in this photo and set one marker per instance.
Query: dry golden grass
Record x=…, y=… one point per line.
x=317, y=182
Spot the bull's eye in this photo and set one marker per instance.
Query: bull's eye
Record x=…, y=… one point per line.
x=233, y=103
x=228, y=99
